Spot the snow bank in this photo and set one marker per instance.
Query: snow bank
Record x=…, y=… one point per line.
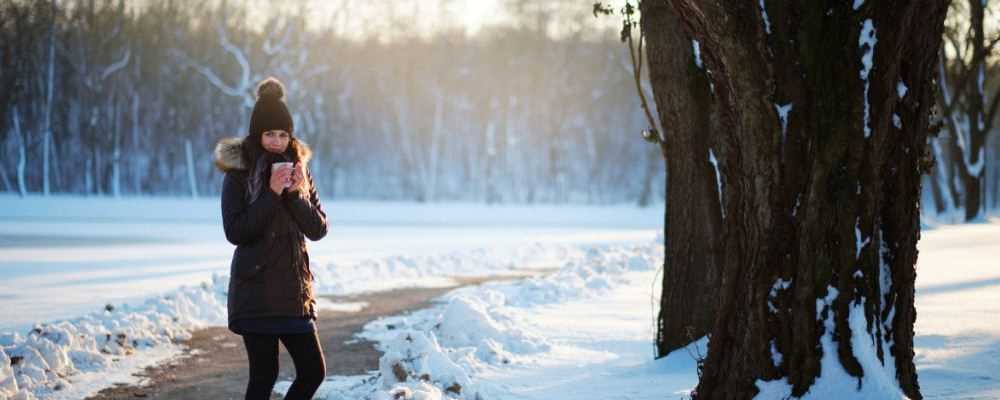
x=49, y=360
x=51, y=357
x=416, y=366
x=879, y=380
x=438, y=353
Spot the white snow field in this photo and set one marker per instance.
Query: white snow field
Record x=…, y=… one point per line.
x=583, y=332
x=162, y=266
x=65, y=256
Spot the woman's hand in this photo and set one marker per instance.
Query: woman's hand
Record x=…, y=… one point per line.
x=298, y=177
x=278, y=179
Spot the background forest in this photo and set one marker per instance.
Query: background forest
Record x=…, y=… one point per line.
x=102, y=97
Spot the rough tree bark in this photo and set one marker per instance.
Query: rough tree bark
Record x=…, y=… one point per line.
x=785, y=112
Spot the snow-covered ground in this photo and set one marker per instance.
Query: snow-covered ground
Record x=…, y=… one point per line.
x=160, y=266
x=65, y=256
x=586, y=333
x=583, y=332
x=958, y=312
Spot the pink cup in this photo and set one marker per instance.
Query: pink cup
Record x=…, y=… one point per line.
x=279, y=165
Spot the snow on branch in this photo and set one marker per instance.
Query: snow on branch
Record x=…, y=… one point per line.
x=242, y=87
x=117, y=65
x=272, y=49
x=241, y=58
x=718, y=180
x=866, y=41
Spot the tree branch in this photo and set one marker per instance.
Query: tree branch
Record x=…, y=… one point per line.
x=992, y=113
x=117, y=65
x=272, y=49
x=244, y=83
x=967, y=71
x=637, y=78
x=944, y=86
x=214, y=79
x=242, y=87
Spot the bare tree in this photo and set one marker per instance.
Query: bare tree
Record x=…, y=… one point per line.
x=94, y=54
x=175, y=76
x=968, y=111
x=22, y=187
x=47, y=147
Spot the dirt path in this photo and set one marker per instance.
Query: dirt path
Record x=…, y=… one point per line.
x=214, y=365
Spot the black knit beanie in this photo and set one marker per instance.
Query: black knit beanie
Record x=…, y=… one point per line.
x=270, y=112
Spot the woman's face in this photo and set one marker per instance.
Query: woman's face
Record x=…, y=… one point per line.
x=275, y=141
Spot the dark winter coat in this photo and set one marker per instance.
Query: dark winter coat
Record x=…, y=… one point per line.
x=269, y=273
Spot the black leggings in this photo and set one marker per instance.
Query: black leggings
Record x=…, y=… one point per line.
x=307, y=355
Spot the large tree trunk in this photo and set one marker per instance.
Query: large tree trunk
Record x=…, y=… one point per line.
x=792, y=105
x=693, y=220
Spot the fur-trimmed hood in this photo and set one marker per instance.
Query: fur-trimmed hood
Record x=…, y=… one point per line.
x=228, y=155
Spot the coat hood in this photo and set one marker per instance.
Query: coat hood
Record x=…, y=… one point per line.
x=229, y=157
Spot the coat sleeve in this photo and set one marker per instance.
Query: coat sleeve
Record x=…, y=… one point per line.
x=308, y=211
x=243, y=222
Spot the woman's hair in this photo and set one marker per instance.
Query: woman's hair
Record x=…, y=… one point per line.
x=252, y=150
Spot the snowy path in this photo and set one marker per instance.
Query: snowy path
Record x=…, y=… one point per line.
x=221, y=359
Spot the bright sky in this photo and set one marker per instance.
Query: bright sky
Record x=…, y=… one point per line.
x=393, y=17
x=420, y=16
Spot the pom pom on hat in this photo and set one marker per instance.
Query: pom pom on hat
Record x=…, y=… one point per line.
x=270, y=88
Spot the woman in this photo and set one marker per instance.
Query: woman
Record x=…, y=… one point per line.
x=266, y=214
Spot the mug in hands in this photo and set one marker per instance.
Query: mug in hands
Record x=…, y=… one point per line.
x=280, y=165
